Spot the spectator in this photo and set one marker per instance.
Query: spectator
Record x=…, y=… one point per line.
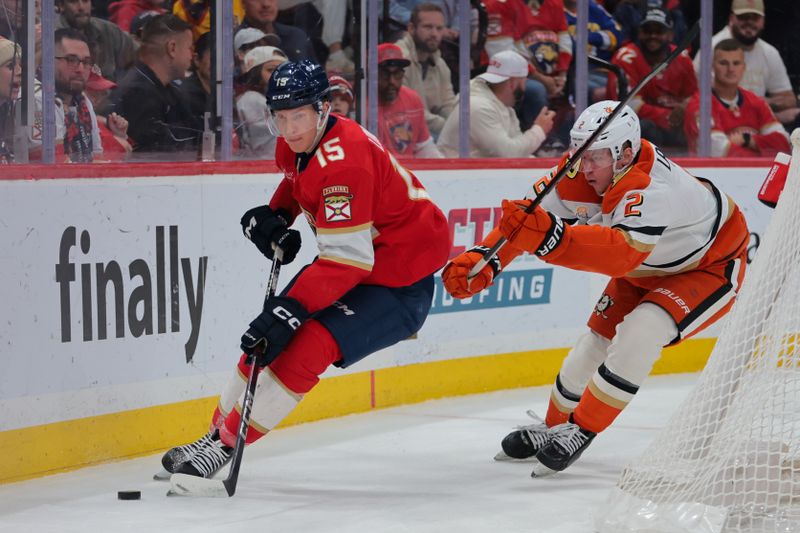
x=549, y=44
x=137, y=25
x=251, y=105
x=197, y=13
x=742, y=123
x=494, y=129
x=427, y=74
x=248, y=38
x=765, y=74
x=111, y=48
x=160, y=120
x=401, y=114
x=604, y=35
x=113, y=128
x=341, y=95
x=400, y=12
x=333, y=29
x=196, y=89
x=77, y=133
x=122, y=12
x=661, y=103
x=629, y=14
x=261, y=14
x=10, y=82
x=508, y=21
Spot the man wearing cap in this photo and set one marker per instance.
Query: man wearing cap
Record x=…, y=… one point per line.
x=494, y=129
x=765, y=72
x=401, y=114
x=661, y=103
x=341, y=95
x=112, y=49
x=427, y=73
x=261, y=14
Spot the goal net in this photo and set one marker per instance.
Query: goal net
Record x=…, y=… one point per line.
x=729, y=458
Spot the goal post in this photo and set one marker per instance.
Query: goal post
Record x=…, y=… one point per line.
x=729, y=458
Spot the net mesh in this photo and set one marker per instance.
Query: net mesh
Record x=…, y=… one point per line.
x=729, y=458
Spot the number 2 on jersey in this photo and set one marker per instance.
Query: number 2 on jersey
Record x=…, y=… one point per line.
x=632, y=201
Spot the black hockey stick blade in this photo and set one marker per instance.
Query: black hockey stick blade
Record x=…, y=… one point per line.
x=186, y=485
x=576, y=156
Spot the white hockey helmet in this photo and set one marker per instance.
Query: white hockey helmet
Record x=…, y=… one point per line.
x=624, y=129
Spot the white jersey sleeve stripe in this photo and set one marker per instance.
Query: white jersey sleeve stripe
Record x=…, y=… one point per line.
x=350, y=246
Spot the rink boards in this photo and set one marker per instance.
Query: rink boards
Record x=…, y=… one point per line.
x=126, y=289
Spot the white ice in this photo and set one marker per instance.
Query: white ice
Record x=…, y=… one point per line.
x=420, y=468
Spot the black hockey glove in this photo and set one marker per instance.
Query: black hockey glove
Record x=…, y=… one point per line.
x=265, y=228
x=274, y=327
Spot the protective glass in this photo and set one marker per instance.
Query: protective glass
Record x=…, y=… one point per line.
x=295, y=122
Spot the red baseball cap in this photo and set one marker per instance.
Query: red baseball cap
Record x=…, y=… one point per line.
x=392, y=55
x=340, y=85
x=97, y=82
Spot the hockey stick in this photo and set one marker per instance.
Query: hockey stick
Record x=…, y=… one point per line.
x=575, y=157
x=622, y=80
x=186, y=485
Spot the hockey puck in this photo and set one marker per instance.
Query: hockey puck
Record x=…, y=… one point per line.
x=129, y=495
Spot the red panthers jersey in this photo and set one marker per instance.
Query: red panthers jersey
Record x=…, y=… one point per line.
x=374, y=221
x=656, y=99
x=507, y=18
x=749, y=114
x=547, y=37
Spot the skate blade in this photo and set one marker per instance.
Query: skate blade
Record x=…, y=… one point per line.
x=161, y=475
x=193, y=486
x=502, y=457
x=539, y=470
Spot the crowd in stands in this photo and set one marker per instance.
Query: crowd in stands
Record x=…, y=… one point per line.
x=135, y=79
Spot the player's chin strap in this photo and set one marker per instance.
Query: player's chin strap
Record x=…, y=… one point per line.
x=322, y=123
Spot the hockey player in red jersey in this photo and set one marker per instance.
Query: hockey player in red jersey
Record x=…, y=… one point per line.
x=675, y=249
x=380, y=240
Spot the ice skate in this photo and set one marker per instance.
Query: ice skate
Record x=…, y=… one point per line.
x=524, y=442
x=208, y=458
x=567, y=442
x=177, y=456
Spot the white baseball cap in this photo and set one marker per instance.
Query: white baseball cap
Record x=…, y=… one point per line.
x=260, y=55
x=251, y=35
x=504, y=65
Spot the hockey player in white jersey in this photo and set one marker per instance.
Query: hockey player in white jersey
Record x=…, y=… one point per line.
x=673, y=245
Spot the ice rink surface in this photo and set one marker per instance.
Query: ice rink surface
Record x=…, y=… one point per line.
x=420, y=468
